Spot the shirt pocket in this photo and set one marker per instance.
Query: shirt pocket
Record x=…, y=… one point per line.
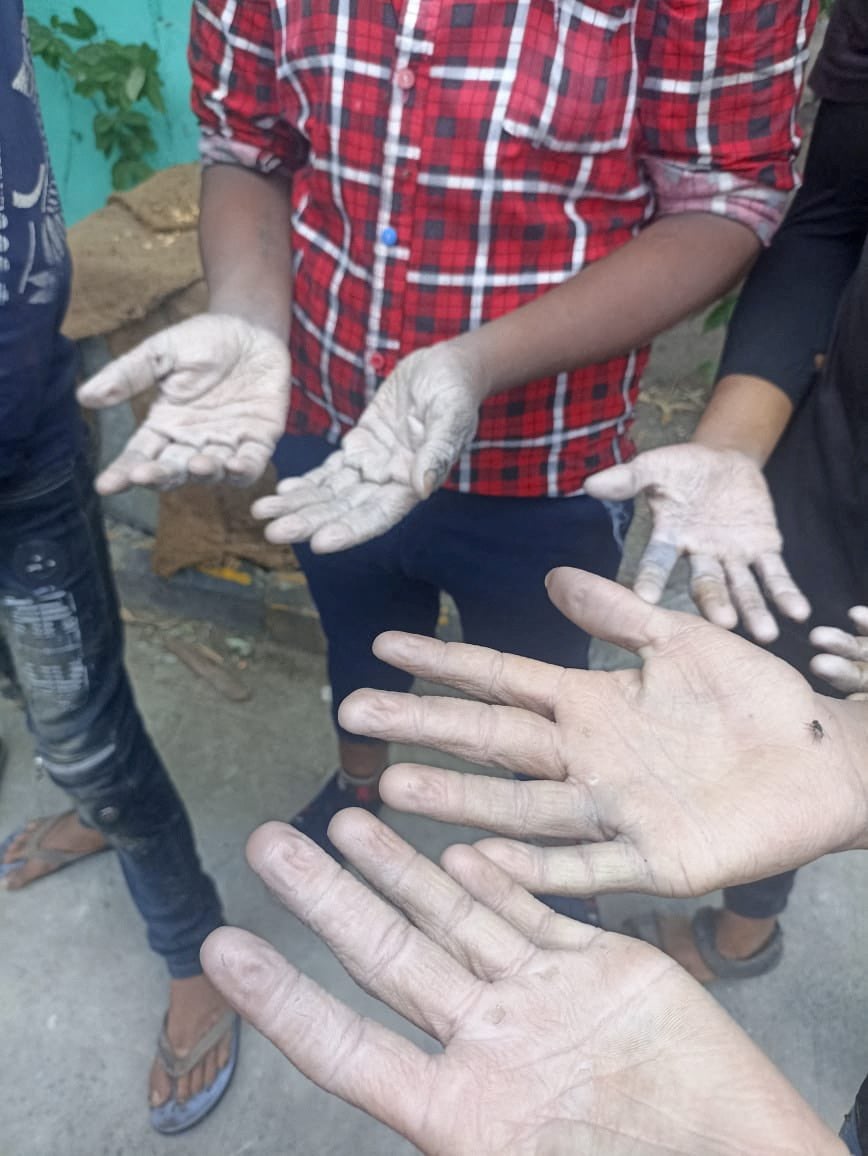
x=576, y=75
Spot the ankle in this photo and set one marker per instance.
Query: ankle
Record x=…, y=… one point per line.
x=738, y=936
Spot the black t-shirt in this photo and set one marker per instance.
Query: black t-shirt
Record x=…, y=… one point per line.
x=841, y=71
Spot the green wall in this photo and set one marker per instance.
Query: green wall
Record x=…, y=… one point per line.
x=82, y=172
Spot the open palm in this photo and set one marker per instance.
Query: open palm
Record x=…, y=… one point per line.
x=406, y=442
x=557, y=1038
x=706, y=767
x=223, y=392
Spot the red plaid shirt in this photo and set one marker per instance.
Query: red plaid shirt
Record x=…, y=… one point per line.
x=452, y=161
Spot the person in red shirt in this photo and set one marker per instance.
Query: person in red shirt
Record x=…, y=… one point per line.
x=467, y=221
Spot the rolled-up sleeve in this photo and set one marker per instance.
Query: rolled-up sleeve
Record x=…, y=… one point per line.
x=235, y=94
x=720, y=82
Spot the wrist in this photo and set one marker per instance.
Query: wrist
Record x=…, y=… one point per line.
x=228, y=303
x=478, y=371
x=746, y=414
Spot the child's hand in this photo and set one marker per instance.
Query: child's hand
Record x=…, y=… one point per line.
x=844, y=662
x=408, y=439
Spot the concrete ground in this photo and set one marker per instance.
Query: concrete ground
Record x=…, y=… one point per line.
x=81, y=998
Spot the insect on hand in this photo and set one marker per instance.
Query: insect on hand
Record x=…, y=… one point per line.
x=816, y=729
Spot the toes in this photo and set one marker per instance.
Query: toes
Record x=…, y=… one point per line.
x=182, y=1091
x=160, y=1086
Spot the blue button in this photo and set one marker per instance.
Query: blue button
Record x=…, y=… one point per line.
x=389, y=236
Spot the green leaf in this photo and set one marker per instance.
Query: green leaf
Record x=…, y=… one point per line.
x=85, y=23
x=126, y=173
x=154, y=92
x=71, y=30
x=135, y=83
x=720, y=314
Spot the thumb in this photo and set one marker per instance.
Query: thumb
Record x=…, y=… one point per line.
x=444, y=442
x=127, y=376
x=613, y=613
x=617, y=483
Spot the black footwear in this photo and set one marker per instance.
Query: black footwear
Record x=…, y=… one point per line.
x=340, y=791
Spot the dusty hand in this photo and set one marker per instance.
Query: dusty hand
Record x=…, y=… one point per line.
x=844, y=662
x=406, y=442
x=714, y=506
x=223, y=395
x=702, y=768
x=556, y=1038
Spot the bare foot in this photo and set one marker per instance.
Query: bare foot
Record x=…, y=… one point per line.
x=66, y=833
x=735, y=937
x=194, y=1007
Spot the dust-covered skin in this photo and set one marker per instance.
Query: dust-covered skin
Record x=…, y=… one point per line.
x=223, y=393
x=698, y=770
x=557, y=1038
x=406, y=442
x=844, y=661
x=714, y=506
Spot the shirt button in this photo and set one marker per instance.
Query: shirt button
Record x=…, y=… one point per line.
x=376, y=361
x=389, y=236
x=405, y=78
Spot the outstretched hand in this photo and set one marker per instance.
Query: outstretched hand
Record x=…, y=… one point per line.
x=223, y=393
x=714, y=506
x=406, y=442
x=556, y=1037
x=713, y=764
x=844, y=661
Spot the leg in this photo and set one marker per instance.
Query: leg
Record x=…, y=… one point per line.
x=59, y=613
x=359, y=593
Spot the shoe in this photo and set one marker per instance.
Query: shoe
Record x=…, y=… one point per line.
x=582, y=910
x=340, y=791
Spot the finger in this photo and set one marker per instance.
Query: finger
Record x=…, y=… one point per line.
x=834, y=641
x=129, y=375
x=385, y=508
x=781, y=588
x=333, y=464
x=143, y=447
x=476, y=670
x=655, y=566
x=709, y=591
x=302, y=525
x=445, y=439
x=617, y=483
x=595, y=868
x=847, y=677
x=170, y=470
x=435, y=903
x=859, y=618
x=208, y=463
x=520, y=810
x=248, y=463
x=491, y=885
x=493, y=735
x=750, y=603
x=612, y=613
x=311, y=490
x=345, y=1053
x=383, y=953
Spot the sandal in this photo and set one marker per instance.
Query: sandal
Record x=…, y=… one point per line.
x=33, y=849
x=703, y=926
x=173, y=1116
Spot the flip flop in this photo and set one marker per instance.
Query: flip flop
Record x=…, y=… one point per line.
x=173, y=1116
x=647, y=927
x=33, y=849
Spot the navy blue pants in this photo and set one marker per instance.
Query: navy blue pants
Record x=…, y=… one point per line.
x=59, y=615
x=490, y=554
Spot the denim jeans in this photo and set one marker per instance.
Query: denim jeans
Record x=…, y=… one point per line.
x=490, y=554
x=59, y=615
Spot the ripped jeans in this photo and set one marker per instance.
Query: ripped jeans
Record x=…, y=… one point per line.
x=59, y=615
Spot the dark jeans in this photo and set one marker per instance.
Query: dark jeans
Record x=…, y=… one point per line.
x=490, y=554
x=59, y=614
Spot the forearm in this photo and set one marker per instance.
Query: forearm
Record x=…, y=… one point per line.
x=848, y=721
x=747, y=414
x=676, y=266
x=244, y=236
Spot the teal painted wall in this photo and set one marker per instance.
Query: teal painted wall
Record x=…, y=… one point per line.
x=83, y=172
